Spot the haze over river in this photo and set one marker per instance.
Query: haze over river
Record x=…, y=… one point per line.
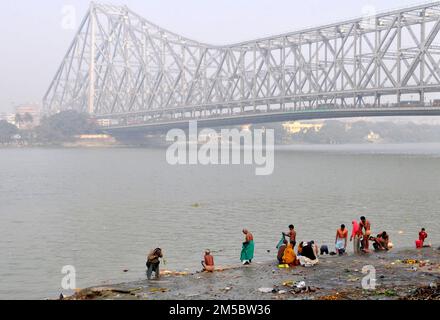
x=102, y=210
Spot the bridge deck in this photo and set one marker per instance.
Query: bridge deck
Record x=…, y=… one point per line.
x=269, y=117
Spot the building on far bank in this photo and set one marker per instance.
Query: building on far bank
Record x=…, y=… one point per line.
x=8, y=117
x=29, y=116
x=107, y=122
x=297, y=127
x=373, y=137
x=96, y=137
x=94, y=140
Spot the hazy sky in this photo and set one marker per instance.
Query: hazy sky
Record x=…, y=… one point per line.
x=33, y=41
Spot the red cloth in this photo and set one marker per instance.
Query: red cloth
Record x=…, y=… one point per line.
x=419, y=244
x=355, y=229
x=422, y=236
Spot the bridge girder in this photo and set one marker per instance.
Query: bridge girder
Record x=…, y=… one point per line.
x=121, y=64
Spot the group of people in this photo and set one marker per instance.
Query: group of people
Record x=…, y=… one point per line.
x=247, y=255
x=361, y=238
x=360, y=235
x=307, y=253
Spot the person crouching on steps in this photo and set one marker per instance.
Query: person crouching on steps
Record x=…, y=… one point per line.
x=208, y=263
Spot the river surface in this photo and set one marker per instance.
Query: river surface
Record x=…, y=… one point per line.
x=102, y=210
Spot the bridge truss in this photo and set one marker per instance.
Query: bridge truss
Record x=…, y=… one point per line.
x=121, y=65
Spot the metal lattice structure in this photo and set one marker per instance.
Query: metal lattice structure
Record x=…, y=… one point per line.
x=121, y=65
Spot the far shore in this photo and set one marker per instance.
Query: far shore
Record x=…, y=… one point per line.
x=407, y=274
x=309, y=147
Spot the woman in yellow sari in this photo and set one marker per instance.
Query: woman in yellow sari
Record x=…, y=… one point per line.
x=289, y=256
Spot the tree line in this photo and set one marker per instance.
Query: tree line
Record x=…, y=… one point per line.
x=54, y=130
x=341, y=132
x=63, y=127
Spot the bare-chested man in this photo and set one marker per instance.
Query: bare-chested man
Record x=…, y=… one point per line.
x=365, y=230
x=341, y=240
x=291, y=234
x=208, y=261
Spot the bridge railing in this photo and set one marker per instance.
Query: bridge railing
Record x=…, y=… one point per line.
x=177, y=115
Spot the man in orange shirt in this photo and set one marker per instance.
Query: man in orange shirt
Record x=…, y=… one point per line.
x=355, y=237
x=341, y=240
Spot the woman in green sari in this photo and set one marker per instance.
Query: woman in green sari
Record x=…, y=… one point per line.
x=247, y=252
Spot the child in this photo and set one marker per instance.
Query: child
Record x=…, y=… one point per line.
x=422, y=237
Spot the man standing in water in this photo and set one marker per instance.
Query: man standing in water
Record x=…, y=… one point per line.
x=355, y=237
x=341, y=240
x=292, y=235
x=247, y=251
x=153, y=262
x=366, y=226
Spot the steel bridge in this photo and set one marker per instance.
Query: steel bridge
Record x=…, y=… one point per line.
x=129, y=73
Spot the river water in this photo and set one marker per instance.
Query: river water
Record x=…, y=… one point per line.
x=102, y=210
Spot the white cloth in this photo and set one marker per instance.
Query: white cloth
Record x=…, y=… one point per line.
x=306, y=262
x=340, y=243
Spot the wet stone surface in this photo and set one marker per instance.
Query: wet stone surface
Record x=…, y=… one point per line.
x=407, y=274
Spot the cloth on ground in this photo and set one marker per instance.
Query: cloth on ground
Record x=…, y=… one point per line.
x=306, y=262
